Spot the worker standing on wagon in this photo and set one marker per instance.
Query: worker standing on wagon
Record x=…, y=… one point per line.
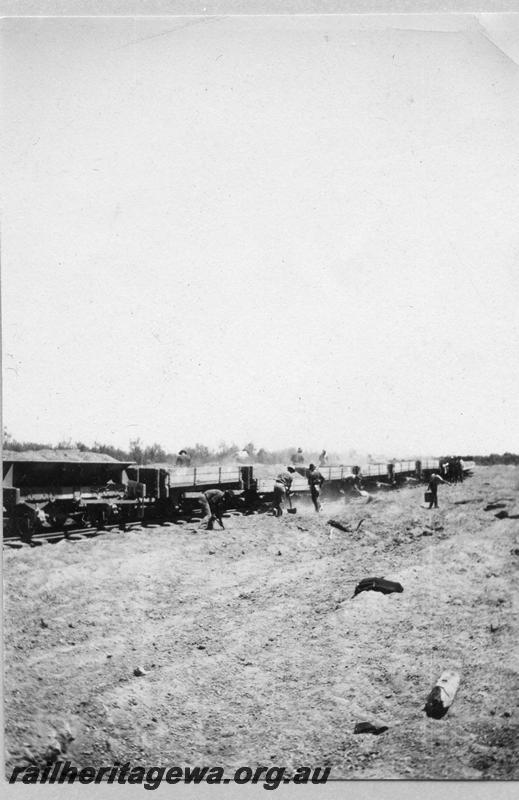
x=282, y=486
x=315, y=481
x=183, y=459
x=298, y=458
x=434, y=480
x=214, y=502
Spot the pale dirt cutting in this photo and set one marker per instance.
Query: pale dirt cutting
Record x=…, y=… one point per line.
x=255, y=652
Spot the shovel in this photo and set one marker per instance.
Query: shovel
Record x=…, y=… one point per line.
x=290, y=509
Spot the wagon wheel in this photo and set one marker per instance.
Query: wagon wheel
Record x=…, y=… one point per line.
x=82, y=519
x=25, y=525
x=92, y=518
x=113, y=515
x=100, y=517
x=60, y=519
x=123, y=518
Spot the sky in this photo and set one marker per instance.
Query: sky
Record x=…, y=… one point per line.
x=296, y=231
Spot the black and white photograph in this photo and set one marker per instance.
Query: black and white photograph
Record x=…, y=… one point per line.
x=260, y=400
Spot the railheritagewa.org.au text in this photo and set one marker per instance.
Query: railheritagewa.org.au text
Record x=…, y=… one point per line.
x=151, y=777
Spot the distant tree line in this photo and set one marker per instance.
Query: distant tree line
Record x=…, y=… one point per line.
x=201, y=454
x=154, y=454
x=495, y=458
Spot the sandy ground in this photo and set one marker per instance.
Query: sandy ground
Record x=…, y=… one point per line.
x=255, y=652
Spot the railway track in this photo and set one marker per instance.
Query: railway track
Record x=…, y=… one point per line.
x=76, y=533
x=72, y=534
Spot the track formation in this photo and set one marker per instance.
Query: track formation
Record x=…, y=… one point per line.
x=74, y=534
x=58, y=495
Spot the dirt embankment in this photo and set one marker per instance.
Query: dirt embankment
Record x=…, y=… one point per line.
x=254, y=651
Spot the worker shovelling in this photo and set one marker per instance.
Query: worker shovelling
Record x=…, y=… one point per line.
x=283, y=487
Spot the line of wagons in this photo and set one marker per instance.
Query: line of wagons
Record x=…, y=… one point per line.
x=76, y=491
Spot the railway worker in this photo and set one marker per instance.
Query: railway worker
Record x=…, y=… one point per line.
x=445, y=468
x=459, y=466
x=453, y=471
x=214, y=502
x=298, y=458
x=323, y=459
x=434, y=480
x=183, y=459
x=348, y=483
x=282, y=486
x=315, y=482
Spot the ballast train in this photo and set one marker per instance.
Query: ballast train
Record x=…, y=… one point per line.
x=47, y=490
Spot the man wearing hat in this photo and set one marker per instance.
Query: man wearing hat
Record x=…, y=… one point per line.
x=183, y=459
x=282, y=486
x=315, y=481
x=298, y=458
x=214, y=502
x=434, y=480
